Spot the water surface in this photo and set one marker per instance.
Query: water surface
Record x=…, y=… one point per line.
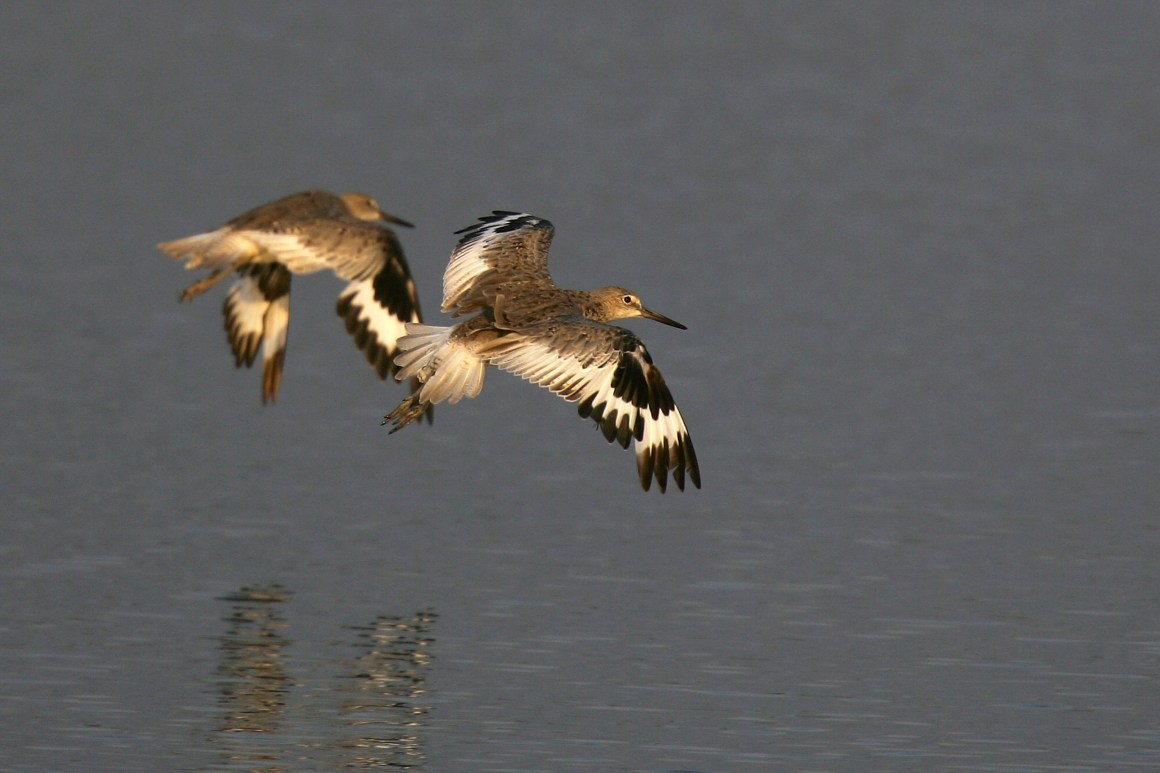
x=915, y=249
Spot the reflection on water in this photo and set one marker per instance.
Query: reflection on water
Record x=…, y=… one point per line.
x=252, y=678
x=389, y=679
x=368, y=716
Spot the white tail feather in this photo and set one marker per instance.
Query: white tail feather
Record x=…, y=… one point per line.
x=215, y=249
x=447, y=367
x=418, y=350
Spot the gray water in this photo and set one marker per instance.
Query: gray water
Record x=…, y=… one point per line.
x=915, y=248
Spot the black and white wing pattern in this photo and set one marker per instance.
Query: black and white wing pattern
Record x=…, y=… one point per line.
x=257, y=316
x=377, y=308
x=609, y=372
x=504, y=248
x=381, y=294
x=301, y=234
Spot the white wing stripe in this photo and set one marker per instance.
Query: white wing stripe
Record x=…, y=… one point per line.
x=662, y=442
x=375, y=328
x=277, y=328
x=245, y=309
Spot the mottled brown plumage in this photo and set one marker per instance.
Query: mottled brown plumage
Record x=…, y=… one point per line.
x=301, y=234
x=557, y=338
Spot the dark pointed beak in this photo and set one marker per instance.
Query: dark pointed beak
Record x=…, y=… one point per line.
x=650, y=314
x=392, y=219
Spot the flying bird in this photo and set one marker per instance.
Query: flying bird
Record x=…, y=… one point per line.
x=301, y=234
x=560, y=339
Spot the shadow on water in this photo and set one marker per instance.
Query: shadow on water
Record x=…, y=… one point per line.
x=347, y=711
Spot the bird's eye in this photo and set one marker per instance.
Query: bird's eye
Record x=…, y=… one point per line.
x=627, y=300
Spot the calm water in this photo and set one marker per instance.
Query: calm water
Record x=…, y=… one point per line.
x=915, y=247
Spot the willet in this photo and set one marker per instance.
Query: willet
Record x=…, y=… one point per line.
x=556, y=338
x=301, y=234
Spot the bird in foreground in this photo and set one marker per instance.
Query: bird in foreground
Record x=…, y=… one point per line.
x=556, y=338
x=301, y=234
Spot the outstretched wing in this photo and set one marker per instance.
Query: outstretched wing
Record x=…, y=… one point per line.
x=376, y=309
x=257, y=315
x=507, y=248
x=353, y=249
x=609, y=372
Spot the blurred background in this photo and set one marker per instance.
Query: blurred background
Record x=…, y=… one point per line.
x=914, y=245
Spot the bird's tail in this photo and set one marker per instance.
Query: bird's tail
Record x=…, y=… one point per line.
x=213, y=250
x=444, y=363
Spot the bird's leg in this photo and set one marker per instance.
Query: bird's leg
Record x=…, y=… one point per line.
x=429, y=410
x=406, y=412
x=200, y=286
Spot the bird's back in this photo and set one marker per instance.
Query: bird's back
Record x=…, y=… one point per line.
x=294, y=208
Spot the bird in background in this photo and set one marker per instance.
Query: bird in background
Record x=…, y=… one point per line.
x=559, y=339
x=301, y=234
